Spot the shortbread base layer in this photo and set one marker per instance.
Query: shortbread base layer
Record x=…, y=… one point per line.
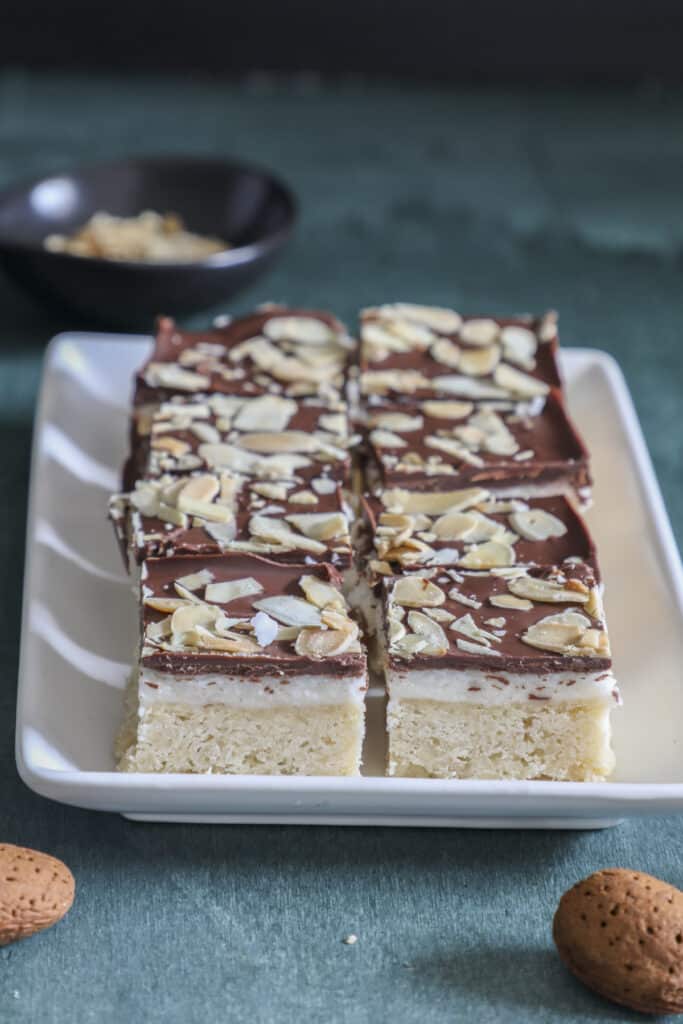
x=557, y=740
x=242, y=738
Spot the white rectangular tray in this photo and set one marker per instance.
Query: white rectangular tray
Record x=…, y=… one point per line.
x=79, y=626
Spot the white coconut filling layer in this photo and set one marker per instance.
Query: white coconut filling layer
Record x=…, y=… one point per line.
x=267, y=692
x=478, y=686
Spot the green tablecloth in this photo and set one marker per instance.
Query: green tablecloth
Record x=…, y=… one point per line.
x=489, y=201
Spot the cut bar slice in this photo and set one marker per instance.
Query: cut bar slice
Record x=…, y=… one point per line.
x=503, y=674
x=412, y=352
x=529, y=450
x=275, y=350
x=471, y=528
x=264, y=438
x=246, y=666
x=208, y=513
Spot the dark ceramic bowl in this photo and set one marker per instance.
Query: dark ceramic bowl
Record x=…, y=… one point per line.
x=242, y=204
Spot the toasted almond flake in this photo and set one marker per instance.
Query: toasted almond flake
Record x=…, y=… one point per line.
x=188, y=617
x=172, y=376
x=268, y=412
x=468, y=387
x=498, y=623
x=230, y=590
x=274, y=530
x=205, y=432
x=168, y=514
x=275, y=491
x=386, y=439
x=479, y=362
x=439, y=319
x=334, y=423
x=320, y=525
x=173, y=445
x=321, y=594
x=409, y=645
x=319, y=643
x=519, y=345
x=303, y=498
x=417, y=592
x=381, y=567
x=445, y=352
x=537, y=524
x=546, y=591
x=222, y=533
x=214, y=513
x=200, y=488
x=166, y=604
x=423, y=625
x=284, y=441
x=562, y=633
x=457, y=595
x=468, y=627
x=517, y=383
x=510, y=601
x=307, y=329
x=196, y=580
x=456, y=449
x=439, y=614
x=290, y=611
x=444, y=410
x=391, y=421
x=158, y=630
x=434, y=503
x=488, y=555
x=380, y=382
x=455, y=525
x=378, y=342
x=235, y=644
x=183, y=592
x=480, y=331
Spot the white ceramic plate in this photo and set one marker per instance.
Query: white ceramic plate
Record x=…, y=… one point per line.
x=79, y=627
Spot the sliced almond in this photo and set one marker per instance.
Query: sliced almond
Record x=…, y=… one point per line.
x=391, y=421
x=488, y=555
x=196, y=580
x=284, y=441
x=265, y=628
x=442, y=409
x=479, y=362
x=230, y=590
x=455, y=525
x=303, y=498
x=321, y=485
x=381, y=382
x=166, y=604
x=319, y=643
x=510, y=601
x=519, y=345
x=454, y=448
x=378, y=342
x=537, y=524
x=234, y=644
x=480, y=331
x=320, y=525
x=434, y=503
x=561, y=633
x=386, y=439
x=307, y=329
x=545, y=591
x=269, y=412
x=200, y=488
x=173, y=445
x=321, y=594
x=274, y=491
x=423, y=625
x=271, y=529
x=205, y=510
x=417, y=592
x=468, y=387
x=187, y=617
x=517, y=383
x=470, y=647
x=446, y=352
x=168, y=514
x=439, y=319
x=468, y=627
x=290, y=611
x=174, y=377
x=457, y=595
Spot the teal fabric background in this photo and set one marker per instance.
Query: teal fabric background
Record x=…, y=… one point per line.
x=488, y=201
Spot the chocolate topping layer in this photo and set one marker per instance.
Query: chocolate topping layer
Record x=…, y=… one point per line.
x=506, y=652
x=444, y=452
x=575, y=542
x=275, y=581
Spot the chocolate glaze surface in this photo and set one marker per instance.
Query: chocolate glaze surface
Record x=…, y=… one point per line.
x=558, y=453
x=279, y=657
x=514, y=655
x=576, y=542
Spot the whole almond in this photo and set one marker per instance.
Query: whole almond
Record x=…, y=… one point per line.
x=621, y=933
x=36, y=891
